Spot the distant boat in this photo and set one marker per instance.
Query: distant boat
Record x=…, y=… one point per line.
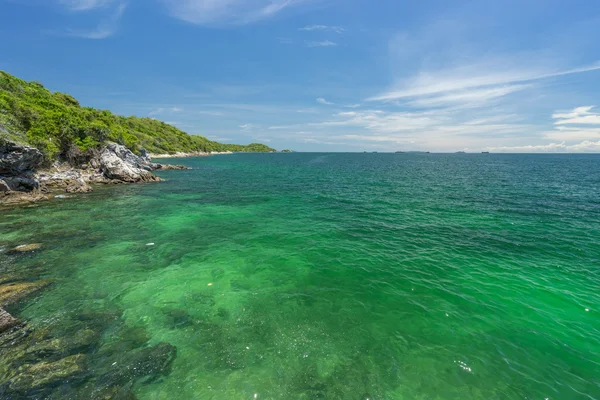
x=485, y=152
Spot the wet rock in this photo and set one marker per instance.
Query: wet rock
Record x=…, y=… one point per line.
x=7, y=321
x=35, y=376
x=17, y=198
x=82, y=340
x=165, y=167
x=24, y=248
x=17, y=291
x=78, y=186
x=119, y=163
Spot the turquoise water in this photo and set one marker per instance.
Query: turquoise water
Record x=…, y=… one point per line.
x=336, y=276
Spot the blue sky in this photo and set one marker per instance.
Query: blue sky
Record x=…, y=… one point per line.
x=326, y=75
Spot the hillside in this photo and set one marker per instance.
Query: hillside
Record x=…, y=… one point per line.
x=59, y=126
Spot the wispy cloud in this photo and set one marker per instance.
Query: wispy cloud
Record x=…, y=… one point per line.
x=475, y=97
x=210, y=12
x=470, y=77
x=85, y=5
x=164, y=110
x=322, y=43
x=105, y=29
x=326, y=28
x=322, y=100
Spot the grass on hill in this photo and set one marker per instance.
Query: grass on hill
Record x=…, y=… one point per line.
x=58, y=125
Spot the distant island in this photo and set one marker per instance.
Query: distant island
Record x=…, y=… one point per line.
x=287, y=151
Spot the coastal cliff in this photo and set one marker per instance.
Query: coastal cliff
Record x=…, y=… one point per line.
x=26, y=176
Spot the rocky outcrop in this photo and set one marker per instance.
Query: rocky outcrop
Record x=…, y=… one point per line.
x=17, y=159
x=17, y=165
x=22, y=182
x=117, y=162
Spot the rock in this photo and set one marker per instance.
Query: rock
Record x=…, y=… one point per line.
x=119, y=163
x=4, y=186
x=17, y=159
x=15, y=198
x=43, y=374
x=7, y=321
x=23, y=183
x=145, y=155
x=78, y=186
x=58, y=177
x=27, y=247
x=168, y=167
x=16, y=291
x=149, y=363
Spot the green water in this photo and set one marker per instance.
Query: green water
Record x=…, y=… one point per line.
x=337, y=276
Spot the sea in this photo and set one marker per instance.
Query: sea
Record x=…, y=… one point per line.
x=330, y=276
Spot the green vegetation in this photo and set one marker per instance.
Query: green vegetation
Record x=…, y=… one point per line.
x=60, y=127
x=287, y=151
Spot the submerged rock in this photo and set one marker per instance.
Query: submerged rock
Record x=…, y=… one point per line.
x=7, y=321
x=149, y=363
x=16, y=291
x=36, y=376
x=24, y=248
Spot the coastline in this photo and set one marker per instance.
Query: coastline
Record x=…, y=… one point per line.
x=187, y=155
x=25, y=177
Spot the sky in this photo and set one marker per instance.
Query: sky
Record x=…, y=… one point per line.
x=326, y=75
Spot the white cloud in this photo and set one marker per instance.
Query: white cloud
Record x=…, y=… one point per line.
x=336, y=29
x=577, y=116
x=582, y=147
x=321, y=100
x=352, y=105
x=85, y=5
x=475, y=97
x=322, y=43
x=469, y=77
x=209, y=12
x=105, y=29
x=575, y=125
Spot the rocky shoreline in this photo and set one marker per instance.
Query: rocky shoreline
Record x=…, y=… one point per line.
x=187, y=155
x=26, y=177
x=55, y=360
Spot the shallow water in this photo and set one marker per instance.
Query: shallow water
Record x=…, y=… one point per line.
x=336, y=276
